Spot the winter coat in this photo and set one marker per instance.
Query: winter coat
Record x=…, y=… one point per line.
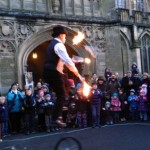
x=123, y=98
x=29, y=104
x=15, y=101
x=113, y=86
x=3, y=113
x=81, y=103
x=142, y=103
x=116, y=104
x=132, y=101
x=95, y=97
x=40, y=106
x=48, y=107
x=125, y=85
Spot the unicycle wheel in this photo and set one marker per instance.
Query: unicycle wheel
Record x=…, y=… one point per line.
x=68, y=143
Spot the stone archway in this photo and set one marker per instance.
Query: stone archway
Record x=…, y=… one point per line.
x=125, y=44
x=45, y=35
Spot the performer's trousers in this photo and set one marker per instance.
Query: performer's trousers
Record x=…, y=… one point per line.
x=56, y=81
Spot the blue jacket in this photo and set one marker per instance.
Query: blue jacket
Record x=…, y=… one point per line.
x=15, y=101
x=133, y=102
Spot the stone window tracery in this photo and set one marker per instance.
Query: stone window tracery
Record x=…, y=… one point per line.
x=120, y=3
x=145, y=52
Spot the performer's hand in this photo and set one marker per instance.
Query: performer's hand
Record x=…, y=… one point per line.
x=82, y=79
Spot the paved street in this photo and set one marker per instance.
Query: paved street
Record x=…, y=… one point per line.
x=128, y=136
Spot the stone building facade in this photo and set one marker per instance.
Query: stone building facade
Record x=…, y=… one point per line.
x=117, y=31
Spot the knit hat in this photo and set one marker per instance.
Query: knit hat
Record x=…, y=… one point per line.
x=101, y=78
x=59, y=30
x=44, y=86
x=47, y=95
x=145, y=74
x=115, y=94
x=79, y=85
x=107, y=102
x=132, y=90
x=71, y=81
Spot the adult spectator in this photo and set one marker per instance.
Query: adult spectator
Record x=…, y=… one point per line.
x=134, y=69
x=107, y=74
x=127, y=83
x=15, y=101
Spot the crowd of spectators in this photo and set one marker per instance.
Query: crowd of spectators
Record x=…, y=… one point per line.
x=112, y=99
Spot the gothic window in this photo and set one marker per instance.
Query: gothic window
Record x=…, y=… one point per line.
x=140, y=5
x=41, y=5
x=3, y=4
x=137, y=5
x=15, y=4
x=120, y=3
x=145, y=52
x=29, y=4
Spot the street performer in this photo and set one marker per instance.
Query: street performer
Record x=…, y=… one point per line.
x=56, y=58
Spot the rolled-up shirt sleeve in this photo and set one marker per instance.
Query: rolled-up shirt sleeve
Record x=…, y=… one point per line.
x=61, y=51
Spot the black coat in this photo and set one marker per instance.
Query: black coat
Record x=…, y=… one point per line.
x=3, y=113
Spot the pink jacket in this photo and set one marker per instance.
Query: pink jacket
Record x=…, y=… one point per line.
x=115, y=103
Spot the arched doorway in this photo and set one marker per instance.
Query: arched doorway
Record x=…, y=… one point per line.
x=125, y=52
x=35, y=65
x=44, y=36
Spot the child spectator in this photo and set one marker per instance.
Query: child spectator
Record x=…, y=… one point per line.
x=95, y=98
x=108, y=113
x=124, y=105
x=4, y=116
x=134, y=68
x=45, y=89
x=15, y=101
x=40, y=100
x=116, y=107
x=71, y=116
x=48, y=109
x=81, y=104
x=133, y=104
x=142, y=106
x=29, y=107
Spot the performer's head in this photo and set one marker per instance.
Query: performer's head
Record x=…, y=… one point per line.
x=60, y=32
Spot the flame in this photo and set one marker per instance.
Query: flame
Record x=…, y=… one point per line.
x=87, y=60
x=78, y=38
x=86, y=89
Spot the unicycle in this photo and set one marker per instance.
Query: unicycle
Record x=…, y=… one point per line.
x=68, y=143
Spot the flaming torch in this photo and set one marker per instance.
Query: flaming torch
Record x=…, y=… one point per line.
x=86, y=89
x=78, y=38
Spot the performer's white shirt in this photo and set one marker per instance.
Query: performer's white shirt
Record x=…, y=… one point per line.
x=61, y=51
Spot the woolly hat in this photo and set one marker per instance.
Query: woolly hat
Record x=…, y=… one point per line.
x=101, y=78
x=47, y=95
x=59, y=30
x=71, y=81
x=115, y=94
x=79, y=85
x=132, y=90
x=107, y=102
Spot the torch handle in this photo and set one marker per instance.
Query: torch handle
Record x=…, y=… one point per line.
x=82, y=79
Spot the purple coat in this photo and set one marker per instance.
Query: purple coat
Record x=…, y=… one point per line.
x=142, y=103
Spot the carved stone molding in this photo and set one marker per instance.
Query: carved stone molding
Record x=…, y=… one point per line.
x=7, y=47
x=24, y=30
x=7, y=29
x=96, y=36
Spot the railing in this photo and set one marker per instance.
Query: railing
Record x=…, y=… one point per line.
x=136, y=17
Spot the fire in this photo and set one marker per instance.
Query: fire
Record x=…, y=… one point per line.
x=78, y=38
x=86, y=89
x=87, y=60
